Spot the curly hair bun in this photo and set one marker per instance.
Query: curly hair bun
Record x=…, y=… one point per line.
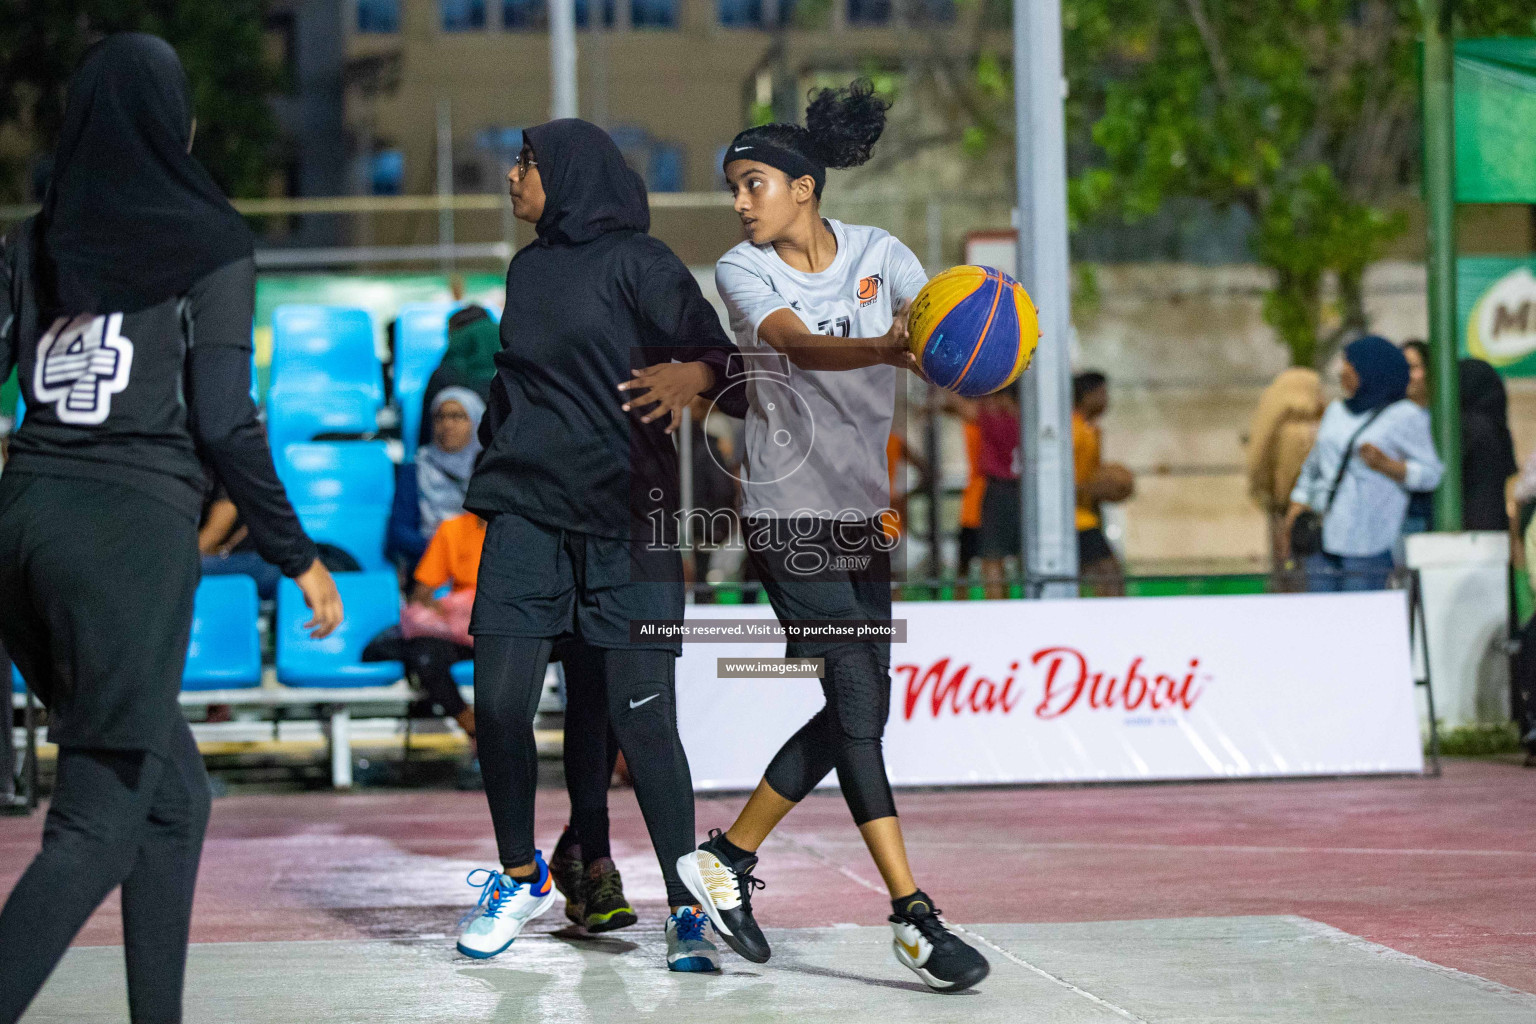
x=844, y=124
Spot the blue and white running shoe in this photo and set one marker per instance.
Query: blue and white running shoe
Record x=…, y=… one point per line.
x=505, y=906
x=691, y=942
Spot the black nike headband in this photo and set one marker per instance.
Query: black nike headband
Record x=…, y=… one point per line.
x=791, y=162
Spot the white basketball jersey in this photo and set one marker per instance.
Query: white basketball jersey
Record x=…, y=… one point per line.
x=816, y=439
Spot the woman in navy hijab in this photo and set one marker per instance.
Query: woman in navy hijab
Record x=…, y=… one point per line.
x=1373, y=448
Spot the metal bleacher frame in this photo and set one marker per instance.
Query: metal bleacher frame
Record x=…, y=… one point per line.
x=332, y=707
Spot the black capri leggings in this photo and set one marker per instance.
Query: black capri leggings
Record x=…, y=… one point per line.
x=796, y=564
x=641, y=698
x=124, y=818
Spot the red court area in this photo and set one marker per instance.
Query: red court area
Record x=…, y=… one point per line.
x=1441, y=868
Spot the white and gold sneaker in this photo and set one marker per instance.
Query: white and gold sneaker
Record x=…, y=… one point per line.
x=724, y=890
x=931, y=951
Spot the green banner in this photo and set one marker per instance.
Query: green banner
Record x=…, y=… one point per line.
x=1495, y=115
x=1496, y=312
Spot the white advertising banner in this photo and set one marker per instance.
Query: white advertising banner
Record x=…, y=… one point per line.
x=1105, y=689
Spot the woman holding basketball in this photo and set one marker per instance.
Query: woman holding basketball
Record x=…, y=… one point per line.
x=830, y=300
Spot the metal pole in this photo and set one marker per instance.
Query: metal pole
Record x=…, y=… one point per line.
x=445, y=183
x=1045, y=408
x=1440, y=193
x=562, y=58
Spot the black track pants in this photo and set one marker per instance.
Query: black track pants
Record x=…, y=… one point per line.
x=641, y=692
x=590, y=751
x=118, y=818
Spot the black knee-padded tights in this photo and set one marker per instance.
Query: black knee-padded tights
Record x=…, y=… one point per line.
x=845, y=734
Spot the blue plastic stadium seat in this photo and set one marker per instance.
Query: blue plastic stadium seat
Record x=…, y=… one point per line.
x=463, y=673
x=225, y=652
x=342, y=491
x=421, y=337
x=372, y=603
x=304, y=416
x=326, y=374
x=18, y=684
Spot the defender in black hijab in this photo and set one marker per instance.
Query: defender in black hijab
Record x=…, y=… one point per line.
x=126, y=308
x=574, y=484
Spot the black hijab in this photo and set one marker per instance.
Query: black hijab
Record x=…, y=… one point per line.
x=1487, y=449
x=588, y=188
x=131, y=218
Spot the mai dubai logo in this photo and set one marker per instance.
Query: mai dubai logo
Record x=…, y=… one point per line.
x=1502, y=327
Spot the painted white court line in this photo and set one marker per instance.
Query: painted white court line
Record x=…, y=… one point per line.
x=846, y=872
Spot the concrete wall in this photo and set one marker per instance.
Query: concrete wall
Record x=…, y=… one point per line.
x=1188, y=352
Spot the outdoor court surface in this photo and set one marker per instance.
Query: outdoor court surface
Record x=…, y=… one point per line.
x=1390, y=900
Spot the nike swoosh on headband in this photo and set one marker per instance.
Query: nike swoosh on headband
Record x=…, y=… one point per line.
x=740, y=149
x=637, y=703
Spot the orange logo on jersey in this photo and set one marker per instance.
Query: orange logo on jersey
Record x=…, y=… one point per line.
x=869, y=289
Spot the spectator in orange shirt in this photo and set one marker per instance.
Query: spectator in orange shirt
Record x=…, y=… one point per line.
x=436, y=629
x=1097, y=482
x=971, y=498
x=898, y=451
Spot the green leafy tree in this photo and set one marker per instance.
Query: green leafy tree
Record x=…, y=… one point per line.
x=1305, y=113
x=220, y=42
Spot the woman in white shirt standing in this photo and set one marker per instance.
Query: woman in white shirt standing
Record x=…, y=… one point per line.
x=1382, y=441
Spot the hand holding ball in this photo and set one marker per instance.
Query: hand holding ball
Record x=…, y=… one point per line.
x=973, y=330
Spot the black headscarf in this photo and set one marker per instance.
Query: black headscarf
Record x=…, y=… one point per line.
x=1383, y=372
x=588, y=188
x=1487, y=449
x=1482, y=392
x=130, y=217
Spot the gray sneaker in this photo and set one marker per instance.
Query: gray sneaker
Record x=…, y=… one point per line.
x=691, y=943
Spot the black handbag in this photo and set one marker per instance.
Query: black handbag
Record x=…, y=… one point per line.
x=1307, y=529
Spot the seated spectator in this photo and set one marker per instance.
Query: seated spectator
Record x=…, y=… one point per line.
x=227, y=549
x=1097, y=482
x=436, y=629
x=430, y=491
x=1373, y=448
x=473, y=341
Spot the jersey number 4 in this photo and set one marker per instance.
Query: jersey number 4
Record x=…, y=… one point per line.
x=838, y=328
x=81, y=363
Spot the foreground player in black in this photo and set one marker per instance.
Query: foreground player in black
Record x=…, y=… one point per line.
x=127, y=310
x=831, y=297
x=571, y=483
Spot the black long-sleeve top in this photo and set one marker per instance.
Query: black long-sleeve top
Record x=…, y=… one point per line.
x=147, y=398
x=559, y=448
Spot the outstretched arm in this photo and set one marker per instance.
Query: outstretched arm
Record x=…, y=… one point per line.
x=223, y=421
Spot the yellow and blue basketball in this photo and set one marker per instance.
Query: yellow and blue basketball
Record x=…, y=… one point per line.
x=973, y=329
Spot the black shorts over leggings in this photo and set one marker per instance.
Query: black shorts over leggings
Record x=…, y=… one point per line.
x=821, y=569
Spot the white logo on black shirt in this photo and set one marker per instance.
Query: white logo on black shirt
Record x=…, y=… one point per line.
x=81, y=363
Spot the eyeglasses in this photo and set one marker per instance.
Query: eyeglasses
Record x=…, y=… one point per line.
x=525, y=160
x=450, y=414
